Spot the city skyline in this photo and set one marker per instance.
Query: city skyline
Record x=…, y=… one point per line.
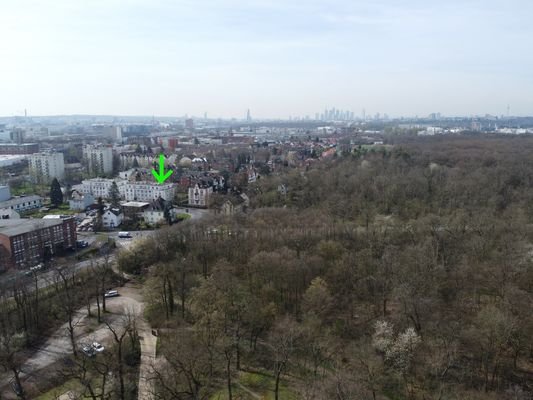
x=400, y=57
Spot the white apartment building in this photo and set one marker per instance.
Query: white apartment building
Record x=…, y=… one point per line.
x=129, y=191
x=199, y=196
x=148, y=191
x=99, y=187
x=98, y=158
x=46, y=166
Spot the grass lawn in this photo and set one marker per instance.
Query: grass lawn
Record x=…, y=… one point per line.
x=59, y=390
x=28, y=189
x=63, y=209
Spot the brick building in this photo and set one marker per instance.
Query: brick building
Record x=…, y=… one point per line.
x=27, y=242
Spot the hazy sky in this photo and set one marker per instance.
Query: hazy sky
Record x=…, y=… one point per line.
x=278, y=58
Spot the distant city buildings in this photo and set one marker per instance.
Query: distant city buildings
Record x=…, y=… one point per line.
x=334, y=114
x=44, y=167
x=114, y=133
x=17, y=135
x=98, y=159
x=18, y=149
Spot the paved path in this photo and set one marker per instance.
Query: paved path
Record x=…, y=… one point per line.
x=58, y=346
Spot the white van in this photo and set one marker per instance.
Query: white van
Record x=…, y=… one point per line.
x=123, y=235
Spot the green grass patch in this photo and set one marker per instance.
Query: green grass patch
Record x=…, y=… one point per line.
x=183, y=216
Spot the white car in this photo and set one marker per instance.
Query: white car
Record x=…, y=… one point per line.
x=98, y=347
x=111, y=293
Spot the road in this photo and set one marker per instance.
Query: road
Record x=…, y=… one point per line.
x=40, y=362
x=46, y=278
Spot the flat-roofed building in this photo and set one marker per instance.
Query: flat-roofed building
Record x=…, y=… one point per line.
x=44, y=167
x=129, y=191
x=14, y=148
x=98, y=158
x=23, y=203
x=27, y=242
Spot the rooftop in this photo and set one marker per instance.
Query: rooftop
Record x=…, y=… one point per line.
x=135, y=204
x=18, y=200
x=15, y=227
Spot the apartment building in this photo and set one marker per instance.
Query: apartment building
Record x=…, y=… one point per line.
x=199, y=196
x=99, y=187
x=98, y=158
x=44, y=167
x=129, y=191
x=148, y=191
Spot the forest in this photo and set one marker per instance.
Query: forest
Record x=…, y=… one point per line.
x=390, y=273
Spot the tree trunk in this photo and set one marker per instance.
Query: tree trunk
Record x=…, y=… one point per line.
x=228, y=374
x=121, y=372
x=98, y=308
x=16, y=373
x=276, y=389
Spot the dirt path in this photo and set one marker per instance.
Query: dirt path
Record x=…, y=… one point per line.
x=148, y=355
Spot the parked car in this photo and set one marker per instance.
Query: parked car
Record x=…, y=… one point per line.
x=34, y=269
x=88, y=350
x=16, y=387
x=98, y=347
x=111, y=293
x=81, y=244
x=124, y=235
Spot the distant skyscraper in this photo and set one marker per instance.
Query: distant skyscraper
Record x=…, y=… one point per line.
x=248, y=116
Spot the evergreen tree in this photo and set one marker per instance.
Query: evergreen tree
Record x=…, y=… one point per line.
x=99, y=225
x=166, y=214
x=56, y=196
x=114, y=195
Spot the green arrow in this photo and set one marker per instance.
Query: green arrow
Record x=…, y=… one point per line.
x=160, y=176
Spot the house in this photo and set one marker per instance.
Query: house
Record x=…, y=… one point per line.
x=155, y=214
x=8, y=213
x=80, y=201
x=112, y=218
x=23, y=203
x=134, y=209
x=199, y=196
x=229, y=205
